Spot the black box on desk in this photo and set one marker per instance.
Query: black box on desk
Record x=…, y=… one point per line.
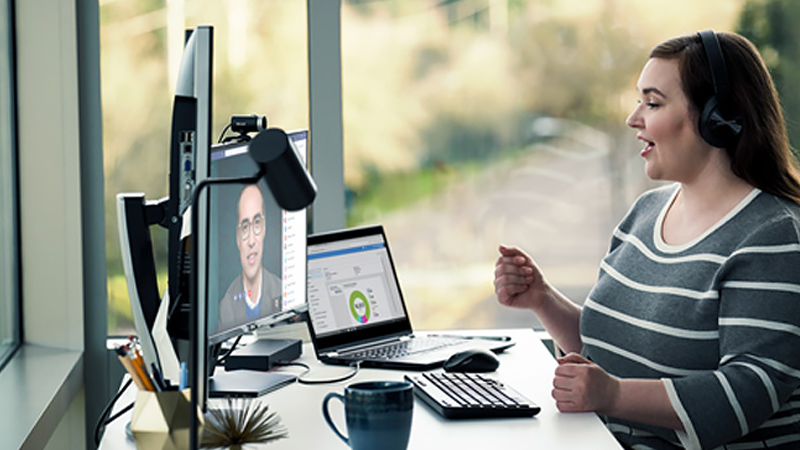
x=264, y=354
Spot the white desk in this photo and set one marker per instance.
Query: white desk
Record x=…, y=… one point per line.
x=527, y=367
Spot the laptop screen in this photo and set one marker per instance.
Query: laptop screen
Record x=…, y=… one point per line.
x=352, y=288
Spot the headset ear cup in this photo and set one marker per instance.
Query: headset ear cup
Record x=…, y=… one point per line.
x=705, y=124
x=715, y=129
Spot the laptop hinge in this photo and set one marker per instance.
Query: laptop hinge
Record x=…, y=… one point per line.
x=358, y=347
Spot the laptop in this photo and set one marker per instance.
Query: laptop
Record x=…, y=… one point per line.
x=356, y=309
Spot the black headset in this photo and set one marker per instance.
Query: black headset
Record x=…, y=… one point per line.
x=715, y=128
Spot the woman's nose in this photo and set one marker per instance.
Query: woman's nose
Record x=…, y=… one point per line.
x=634, y=120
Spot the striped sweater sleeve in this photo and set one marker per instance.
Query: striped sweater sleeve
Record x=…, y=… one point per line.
x=759, y=342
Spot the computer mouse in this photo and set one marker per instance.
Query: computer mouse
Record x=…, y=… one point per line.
x=473, y=360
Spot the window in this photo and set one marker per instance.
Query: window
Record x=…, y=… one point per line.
x=471, y=123
x=260, y=67
x=9, y=242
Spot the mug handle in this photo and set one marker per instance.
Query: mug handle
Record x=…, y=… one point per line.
x=328, y=416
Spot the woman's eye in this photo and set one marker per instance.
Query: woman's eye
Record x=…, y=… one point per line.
x=653, y=105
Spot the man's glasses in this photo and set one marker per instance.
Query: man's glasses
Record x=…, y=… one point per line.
x=257, y=225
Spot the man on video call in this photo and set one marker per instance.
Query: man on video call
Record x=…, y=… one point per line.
x=256, y=292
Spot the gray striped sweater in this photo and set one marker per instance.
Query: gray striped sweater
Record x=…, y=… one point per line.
x=718, y=319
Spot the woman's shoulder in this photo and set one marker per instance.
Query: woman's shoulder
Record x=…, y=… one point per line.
x=777, y=208
x=771, y=219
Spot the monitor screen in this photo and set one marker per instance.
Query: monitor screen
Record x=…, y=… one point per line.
x=257, y=251
x=352, y=285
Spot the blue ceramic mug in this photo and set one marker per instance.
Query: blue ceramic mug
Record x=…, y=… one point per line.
x=378, y=414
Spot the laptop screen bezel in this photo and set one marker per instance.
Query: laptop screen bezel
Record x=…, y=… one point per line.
x=382, y=330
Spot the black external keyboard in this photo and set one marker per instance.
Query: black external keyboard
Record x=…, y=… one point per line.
x=468, y=395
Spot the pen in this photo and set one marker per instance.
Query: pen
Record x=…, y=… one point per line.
x=136, y=347
x=161, y=385
x=138, y=366
x=184, y=376
x=122, y=354
x=147, y=373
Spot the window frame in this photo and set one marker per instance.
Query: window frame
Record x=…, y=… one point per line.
x=8, y=350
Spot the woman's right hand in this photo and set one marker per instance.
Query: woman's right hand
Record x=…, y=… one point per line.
x=518, y=282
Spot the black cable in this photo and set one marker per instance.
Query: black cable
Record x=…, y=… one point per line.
x=356, y=367
x=104, y=419
x=121, y=412
x=222, y=135
x=221, y=359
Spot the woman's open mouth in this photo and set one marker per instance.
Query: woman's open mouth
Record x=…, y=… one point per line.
x=648, y=147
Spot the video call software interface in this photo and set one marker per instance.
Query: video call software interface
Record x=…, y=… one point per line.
x=294, y=245
x=348, y=286
x=291, y=267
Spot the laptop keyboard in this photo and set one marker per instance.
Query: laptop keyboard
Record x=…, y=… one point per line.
x=467, y=395
x=404, y=348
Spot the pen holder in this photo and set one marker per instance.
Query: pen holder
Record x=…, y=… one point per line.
x=161, y=420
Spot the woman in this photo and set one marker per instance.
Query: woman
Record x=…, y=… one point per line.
x=691, y=336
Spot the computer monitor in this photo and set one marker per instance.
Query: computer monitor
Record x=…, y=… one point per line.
x=257, y=251
x=190, y=158
x=255, y=272
x=188, y=165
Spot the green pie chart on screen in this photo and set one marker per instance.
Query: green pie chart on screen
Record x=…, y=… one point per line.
x=359, y=307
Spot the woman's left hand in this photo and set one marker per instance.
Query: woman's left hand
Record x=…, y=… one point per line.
x=581, y=385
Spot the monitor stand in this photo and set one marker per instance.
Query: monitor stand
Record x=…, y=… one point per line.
x=246, y=383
